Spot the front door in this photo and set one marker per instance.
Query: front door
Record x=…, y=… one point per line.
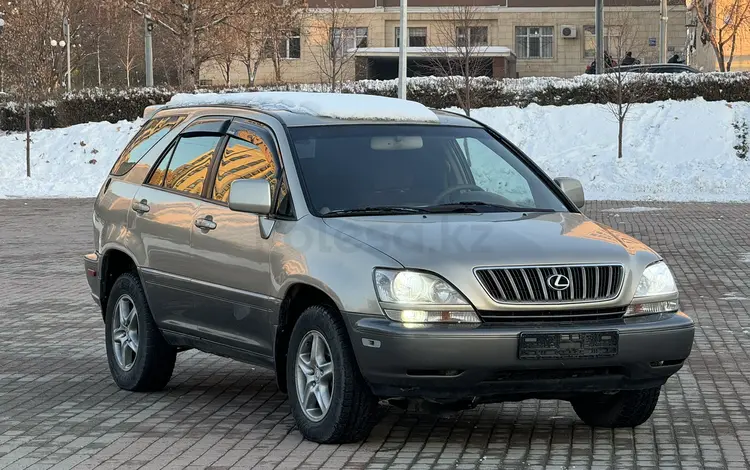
x=234, y=281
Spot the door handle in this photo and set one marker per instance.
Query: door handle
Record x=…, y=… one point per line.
x=141, y=207
x=205, y=223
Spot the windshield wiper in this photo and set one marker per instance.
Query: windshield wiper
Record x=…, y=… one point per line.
x=479, y=206
x=377, y=210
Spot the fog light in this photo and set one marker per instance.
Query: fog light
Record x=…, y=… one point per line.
x=432, y=316
x=650, y=308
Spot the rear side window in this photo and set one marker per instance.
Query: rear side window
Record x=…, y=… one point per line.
x=188, y=166
x=149, y=135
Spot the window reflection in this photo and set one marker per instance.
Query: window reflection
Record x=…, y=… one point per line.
x=188, y=167
x=246, y=157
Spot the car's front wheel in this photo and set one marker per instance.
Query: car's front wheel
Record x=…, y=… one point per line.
x=139, y=357
x=331, y=403
x=624, y=409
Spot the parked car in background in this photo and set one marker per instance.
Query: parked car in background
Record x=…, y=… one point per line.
x=654, y=68
x=365, y=249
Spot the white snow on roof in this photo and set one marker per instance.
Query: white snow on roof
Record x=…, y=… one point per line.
x=332, y=105
x=489, y=51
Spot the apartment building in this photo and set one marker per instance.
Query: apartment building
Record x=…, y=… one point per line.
x=700, y=51
x=514, y=38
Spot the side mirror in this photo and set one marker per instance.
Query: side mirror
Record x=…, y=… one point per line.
x=252, y=196
x=572, y=188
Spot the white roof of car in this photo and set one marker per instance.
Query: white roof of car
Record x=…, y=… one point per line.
x=330, y=105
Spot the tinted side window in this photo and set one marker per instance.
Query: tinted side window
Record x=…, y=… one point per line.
x=157, y=177
x=248, y=157
x=189, y=164
x=149, y=135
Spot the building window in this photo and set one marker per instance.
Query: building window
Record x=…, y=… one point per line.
x=417, y=37
x=289, y=47
x=292, y=47
x=473, y=36
x=534, y=42
x=346, y=39
x=612, y=35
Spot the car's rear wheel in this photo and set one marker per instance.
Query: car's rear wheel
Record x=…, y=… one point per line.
x=331, y=403
x=139, y=357
x=624, y=409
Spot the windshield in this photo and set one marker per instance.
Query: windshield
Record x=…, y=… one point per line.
x=381, y=169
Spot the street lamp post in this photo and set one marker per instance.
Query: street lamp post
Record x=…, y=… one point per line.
x=149, y=52
x=61, y=43
x=663, y=19
x=600, y=65
x=403, y=44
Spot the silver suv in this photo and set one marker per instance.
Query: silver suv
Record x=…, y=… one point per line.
x=374, y=259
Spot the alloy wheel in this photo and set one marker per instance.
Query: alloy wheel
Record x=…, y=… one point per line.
x=125, y=333
x=314, y=376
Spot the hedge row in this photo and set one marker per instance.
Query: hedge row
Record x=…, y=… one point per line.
x=115, y=105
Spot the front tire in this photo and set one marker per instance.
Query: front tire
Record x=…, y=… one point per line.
x=625, y=409
x=331, y=403
x=139, y=357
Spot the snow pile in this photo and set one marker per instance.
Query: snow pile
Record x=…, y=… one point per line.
x=69, y=162
x=332, y=105
x=674, y=151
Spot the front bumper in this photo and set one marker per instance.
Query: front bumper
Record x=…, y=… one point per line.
x=455, y=362
x=92, y=267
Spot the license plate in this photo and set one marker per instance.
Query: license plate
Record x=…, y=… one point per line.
x=567, y=345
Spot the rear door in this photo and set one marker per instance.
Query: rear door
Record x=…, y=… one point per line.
x=234, y=279
x=164, y=210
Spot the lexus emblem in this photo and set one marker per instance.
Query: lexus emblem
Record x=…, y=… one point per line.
x=558, y=282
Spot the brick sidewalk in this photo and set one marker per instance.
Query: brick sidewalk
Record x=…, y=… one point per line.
x=60, y=409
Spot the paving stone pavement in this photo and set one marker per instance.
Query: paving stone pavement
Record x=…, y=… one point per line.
x=60, y=409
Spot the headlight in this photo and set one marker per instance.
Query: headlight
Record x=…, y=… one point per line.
x=413, y=297
x=409, y=287
x=656, y=292
x=657, y=280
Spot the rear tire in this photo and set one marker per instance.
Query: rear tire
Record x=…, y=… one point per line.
x=626, y=409
x=139, y=357
x=321, y=367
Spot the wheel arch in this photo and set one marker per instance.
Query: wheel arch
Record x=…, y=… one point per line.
x=297, y=298
x=115, y=261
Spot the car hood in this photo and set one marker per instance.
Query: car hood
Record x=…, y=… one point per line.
x=452, y=245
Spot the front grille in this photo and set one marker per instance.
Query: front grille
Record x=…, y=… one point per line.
x=532, y=284
x=523, y=316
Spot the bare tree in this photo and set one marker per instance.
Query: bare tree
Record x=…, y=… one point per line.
x=462, y=39
x=335, y=33
x=270, y=31
x=618, y=87
x=131, y=54
x=723, y=23
x=27, y=58
x=226, y=43
x=188, y=21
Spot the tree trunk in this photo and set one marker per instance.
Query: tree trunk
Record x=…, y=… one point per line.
x=98, y=65
x=252, y=72
x=28, y=141
x=620, y=122
x=188, y=57
x=731, y=53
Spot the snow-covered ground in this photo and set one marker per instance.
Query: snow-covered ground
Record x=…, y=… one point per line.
x=674, y=151
x=69, y=162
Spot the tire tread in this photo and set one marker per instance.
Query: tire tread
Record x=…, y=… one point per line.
x=628, y=409
x=158, y=356
x=358, y=405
